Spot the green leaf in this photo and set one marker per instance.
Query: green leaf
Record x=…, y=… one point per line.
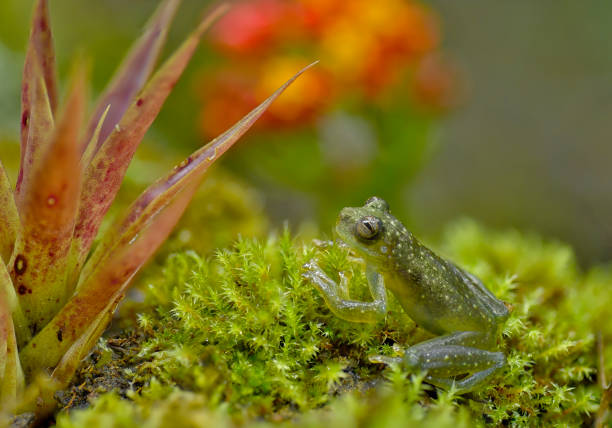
x=11, y=375
x=9, y=218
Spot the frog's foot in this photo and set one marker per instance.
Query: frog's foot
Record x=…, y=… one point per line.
x=322, y=244
x=384, y=359
x=336, y=296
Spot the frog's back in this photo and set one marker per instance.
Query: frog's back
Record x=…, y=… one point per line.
x=442, y=297
x=497, y=307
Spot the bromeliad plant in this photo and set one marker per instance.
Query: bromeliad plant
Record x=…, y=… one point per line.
x=57, y=294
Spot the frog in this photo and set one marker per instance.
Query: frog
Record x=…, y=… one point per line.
x=435, y=293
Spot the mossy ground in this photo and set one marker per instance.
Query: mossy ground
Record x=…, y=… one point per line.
x=237, y=337
x=234, y=336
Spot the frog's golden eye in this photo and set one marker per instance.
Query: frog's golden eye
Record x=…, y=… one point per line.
x=368, y=227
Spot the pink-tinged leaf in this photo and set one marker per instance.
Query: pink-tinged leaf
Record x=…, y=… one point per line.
x=50, y=200
x=9, y=218
x=11, y=375
x=129, y=243
x=40, y=128
x=132, y=74
x=39, y=63
x=190, y=170
x=84, y=312
x=104, y=174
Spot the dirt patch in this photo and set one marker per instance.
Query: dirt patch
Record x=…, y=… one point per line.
x=109, y=367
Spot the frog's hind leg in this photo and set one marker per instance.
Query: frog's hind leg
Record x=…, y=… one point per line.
x=446, y=357
x=336, y=296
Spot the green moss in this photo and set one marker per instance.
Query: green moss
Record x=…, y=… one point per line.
x=239, y=335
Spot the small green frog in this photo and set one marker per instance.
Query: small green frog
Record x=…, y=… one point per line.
x=438, y=295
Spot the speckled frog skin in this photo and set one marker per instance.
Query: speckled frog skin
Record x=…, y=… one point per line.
x=436, y=294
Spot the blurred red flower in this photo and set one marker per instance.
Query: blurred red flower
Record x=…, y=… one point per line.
x=366, y=49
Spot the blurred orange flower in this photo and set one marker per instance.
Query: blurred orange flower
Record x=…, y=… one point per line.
x=366, y=49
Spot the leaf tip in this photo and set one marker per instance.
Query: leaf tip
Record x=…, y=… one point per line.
x=210, y=17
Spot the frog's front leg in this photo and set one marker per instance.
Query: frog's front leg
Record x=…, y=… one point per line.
x=447, y=357
x=337, y=299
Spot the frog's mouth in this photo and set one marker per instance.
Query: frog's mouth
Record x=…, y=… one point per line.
x=353, y=254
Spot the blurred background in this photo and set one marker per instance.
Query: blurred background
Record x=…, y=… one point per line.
x=500, y=112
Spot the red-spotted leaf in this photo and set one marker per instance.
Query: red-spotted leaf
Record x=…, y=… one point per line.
x=132, y=74
x=9, y=218
x=103, y=176
x=50, y=198
x=39, y=63
x=129, y=243
x=86, y=312
x=8, y=297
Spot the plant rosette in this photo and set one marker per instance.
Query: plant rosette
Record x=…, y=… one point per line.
x=57, y=294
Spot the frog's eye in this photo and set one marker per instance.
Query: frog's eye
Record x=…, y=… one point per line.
x=368, y=227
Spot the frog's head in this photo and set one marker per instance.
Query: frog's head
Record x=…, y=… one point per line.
x=372, y=232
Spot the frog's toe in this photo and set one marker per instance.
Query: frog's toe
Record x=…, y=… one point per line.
x=311, y=270
x=384, y=359
x=322, y=244
x=312, y=266
x=312, y=273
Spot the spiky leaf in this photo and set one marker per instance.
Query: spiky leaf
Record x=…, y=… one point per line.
x=39, y=64
x=129, y=243
x=131, y=75
x=104, y=174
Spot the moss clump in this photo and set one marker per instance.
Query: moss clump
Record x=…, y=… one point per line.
x=244, y=328
x=240, y=335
